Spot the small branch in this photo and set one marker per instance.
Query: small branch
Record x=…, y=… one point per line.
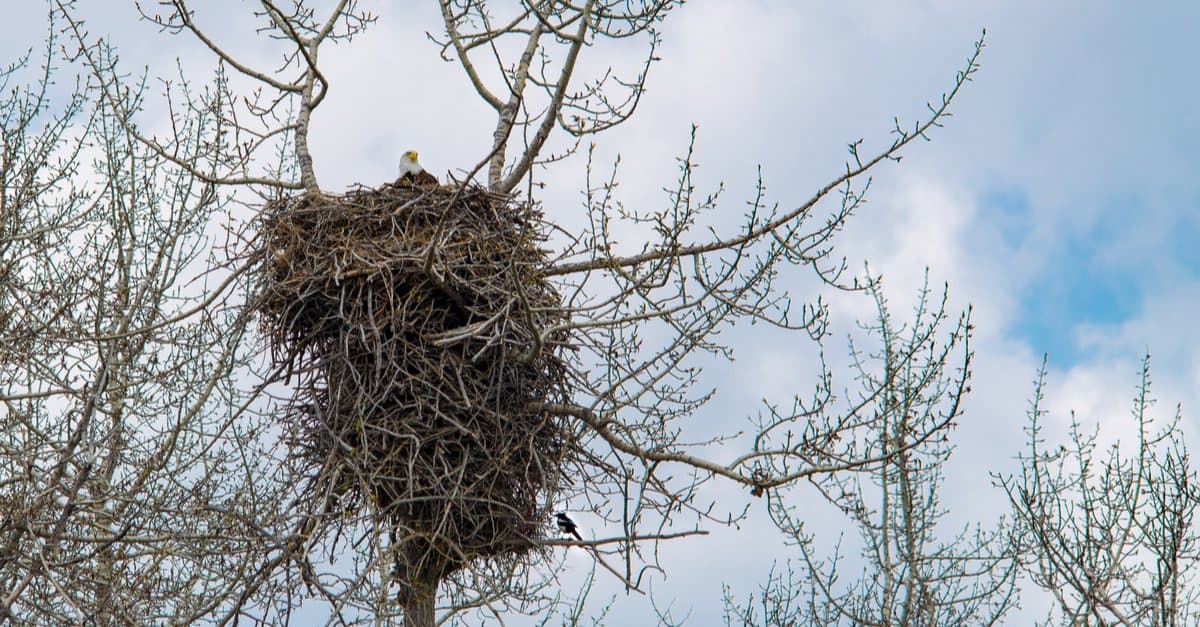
x=560, y=91
x=623, y=539
x=852, y=172
x=508, y=112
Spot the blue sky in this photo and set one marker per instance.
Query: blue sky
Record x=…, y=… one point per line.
x=1061, y=200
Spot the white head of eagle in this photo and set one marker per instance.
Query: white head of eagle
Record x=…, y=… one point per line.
x=409, y=164
x=412, y=173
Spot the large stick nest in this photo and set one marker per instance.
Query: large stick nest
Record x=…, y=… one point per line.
x=413, y=320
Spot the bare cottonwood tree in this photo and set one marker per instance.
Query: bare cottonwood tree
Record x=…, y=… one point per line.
x=1110, y=534
x=911, y=572
x=641, y=320
x=129, y=485
x=523, y=60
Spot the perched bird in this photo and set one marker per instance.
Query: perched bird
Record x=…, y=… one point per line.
x=567, y=526
x=411, y=172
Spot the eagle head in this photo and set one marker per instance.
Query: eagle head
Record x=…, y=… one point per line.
x=409, y=164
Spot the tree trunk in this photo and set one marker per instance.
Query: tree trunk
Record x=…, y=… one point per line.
x=418, y=606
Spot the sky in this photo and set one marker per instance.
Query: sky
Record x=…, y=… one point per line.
x=1061, y=200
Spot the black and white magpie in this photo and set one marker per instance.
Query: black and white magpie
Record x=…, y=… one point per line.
x=567, y=526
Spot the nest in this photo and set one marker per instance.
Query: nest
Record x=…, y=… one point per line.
x=411, y=322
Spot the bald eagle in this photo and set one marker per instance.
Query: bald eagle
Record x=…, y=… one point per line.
x=412, y=174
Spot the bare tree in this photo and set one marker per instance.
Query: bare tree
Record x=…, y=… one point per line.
x=1110, y=535
x=523, y=60
x=130, y=484
x=631, y=327
x=537, y=91
x=911, y=573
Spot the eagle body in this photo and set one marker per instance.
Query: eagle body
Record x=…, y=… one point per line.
x=412, y=174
